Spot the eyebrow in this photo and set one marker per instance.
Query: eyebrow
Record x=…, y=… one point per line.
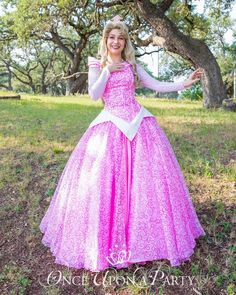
x=115, y=35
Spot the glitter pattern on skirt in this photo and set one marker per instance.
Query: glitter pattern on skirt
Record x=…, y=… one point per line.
x=120, y=202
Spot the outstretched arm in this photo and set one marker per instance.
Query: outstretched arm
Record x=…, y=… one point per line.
x=97, y=78
x=149, y=82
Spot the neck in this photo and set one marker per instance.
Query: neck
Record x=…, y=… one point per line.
x=114, y=58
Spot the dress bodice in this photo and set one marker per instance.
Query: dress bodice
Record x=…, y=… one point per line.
x=117, y=89
x=119, y=95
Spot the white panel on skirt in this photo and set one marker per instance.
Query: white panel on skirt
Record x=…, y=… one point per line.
x=128, y=128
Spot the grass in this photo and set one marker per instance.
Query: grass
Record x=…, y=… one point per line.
x=37, y=135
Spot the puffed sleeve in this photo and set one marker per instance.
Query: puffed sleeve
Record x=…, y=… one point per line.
x=97, y=78
x=159, y=86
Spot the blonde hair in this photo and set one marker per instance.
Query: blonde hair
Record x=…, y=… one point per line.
x=128, y=53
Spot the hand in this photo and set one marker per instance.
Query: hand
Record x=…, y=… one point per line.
x=114, y=67
x=193, y=78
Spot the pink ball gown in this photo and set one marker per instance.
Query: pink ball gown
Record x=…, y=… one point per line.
x=121, y=198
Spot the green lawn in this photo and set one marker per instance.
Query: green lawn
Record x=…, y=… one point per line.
x=37, y=136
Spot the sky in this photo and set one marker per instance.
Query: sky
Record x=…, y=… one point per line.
x=152, y=59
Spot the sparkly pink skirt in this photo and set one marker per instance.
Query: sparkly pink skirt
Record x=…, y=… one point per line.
x=120, y=202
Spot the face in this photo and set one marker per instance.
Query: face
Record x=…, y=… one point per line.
x=115, y=42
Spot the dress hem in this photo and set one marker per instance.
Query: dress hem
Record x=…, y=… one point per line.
x=127, y=264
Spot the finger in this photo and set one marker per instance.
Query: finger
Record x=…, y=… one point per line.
x=197, y=71
x=195, y=80
x=197, y=75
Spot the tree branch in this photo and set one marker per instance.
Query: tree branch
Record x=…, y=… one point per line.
x=165, y=5
x=3, y=86
x=141, y=42
x=56, y=39
x=22, y=81
x=62, y=77
x=112, y=3
x=138, y=55
x=73, y=75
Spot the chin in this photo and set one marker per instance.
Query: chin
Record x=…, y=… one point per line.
x=115, y=51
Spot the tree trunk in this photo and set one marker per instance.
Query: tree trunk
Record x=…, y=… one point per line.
x=9, y=96
x=43, y=85
x=9, y=78
x=214, y=90
x=44, y=89
x=76, y=85
x=73, y=84
x=194, y=50
x=31, y=84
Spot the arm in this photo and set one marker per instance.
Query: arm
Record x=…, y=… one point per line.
x=149, y=82
x=97, y=78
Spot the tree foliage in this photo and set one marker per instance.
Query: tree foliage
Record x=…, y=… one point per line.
x=57, y=36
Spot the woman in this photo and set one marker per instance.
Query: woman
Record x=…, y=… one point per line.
x=121, y=198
